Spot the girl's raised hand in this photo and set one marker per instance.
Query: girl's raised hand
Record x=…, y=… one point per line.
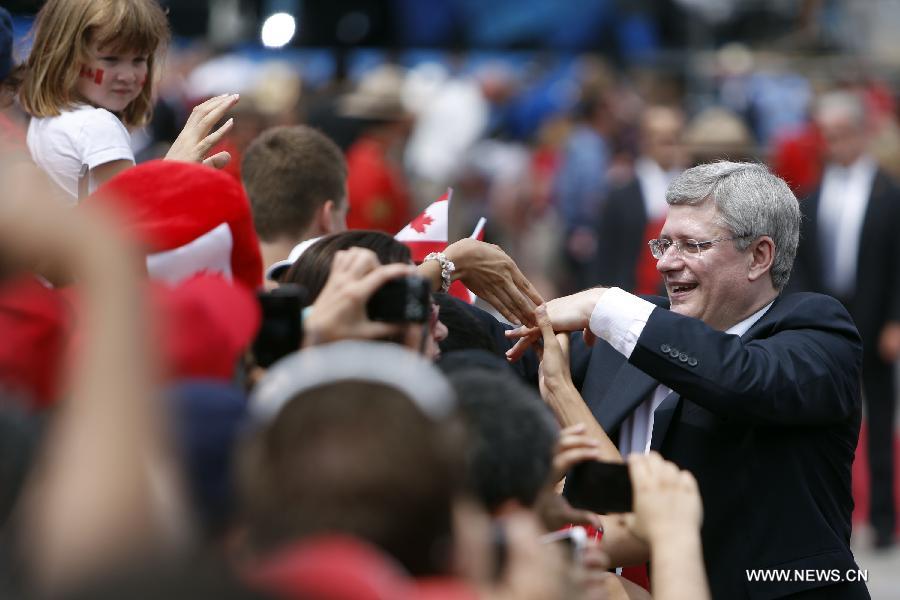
x=195, y=140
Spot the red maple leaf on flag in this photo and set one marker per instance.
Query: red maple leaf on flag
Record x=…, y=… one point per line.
x=421, y=222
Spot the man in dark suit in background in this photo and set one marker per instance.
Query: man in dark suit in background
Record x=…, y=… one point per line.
x=849, y=249
x=634, y=212
x=754, y=391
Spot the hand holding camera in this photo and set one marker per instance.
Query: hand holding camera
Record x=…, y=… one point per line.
x=666, y=499
x=340, y=311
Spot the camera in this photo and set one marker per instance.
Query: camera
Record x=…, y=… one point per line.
x=281, y=330
x=601, y=487
x=401, y=300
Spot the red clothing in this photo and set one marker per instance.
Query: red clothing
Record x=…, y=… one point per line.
x=378, y=196
x=339, y=567
x=36, y=322
x=797, y=158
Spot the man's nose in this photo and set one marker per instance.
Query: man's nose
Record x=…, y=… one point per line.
x=671, y=260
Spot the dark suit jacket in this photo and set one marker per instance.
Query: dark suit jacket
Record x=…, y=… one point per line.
x=877, y=296
x=620, y=237
x=767, y=423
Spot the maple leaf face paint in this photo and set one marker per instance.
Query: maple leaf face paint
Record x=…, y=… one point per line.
x=112, y=80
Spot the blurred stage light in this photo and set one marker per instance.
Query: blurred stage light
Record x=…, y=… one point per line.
x=278, y=30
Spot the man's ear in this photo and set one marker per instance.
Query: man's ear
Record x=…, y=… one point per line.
x=762, y=255
x=325, y=217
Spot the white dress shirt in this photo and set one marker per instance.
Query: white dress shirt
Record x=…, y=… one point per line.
x=619, y=318
x=842, y=208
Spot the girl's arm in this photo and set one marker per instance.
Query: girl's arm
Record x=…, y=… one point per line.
x=103, y=173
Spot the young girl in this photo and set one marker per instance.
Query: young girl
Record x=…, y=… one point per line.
x=89, y=79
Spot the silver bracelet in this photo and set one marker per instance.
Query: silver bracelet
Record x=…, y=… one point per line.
x=447, y=268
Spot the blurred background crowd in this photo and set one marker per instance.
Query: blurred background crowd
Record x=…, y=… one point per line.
x=532, y=111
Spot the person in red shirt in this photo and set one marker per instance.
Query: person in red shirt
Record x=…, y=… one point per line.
x=378, y=193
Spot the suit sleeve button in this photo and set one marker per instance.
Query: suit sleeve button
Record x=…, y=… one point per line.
x=673, y=353
x=692, y=362
x=683, y=357
x=665, y=348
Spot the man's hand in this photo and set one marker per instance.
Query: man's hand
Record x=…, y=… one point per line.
x=889, y=342
x=566, y=314
x=493, y=276
x=666, y=499
x=195, y=140
x=339, y=311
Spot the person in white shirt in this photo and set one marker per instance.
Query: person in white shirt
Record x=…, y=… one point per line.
x=89, y=79
x=848, y=249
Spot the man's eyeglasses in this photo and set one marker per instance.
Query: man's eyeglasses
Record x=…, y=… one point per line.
x=686, y=248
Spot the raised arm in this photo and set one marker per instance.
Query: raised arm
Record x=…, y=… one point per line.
x=491, y=275
x=104, y=484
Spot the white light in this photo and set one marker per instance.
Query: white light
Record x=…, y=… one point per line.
x=278, y=30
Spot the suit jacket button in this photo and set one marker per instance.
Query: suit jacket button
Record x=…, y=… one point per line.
x=683, y=357
x=665, y=348
x=692, y=362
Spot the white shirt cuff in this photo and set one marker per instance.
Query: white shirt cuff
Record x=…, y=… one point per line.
x=619, y=318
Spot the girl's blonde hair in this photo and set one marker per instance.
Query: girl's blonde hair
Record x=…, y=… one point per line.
x=63, y=32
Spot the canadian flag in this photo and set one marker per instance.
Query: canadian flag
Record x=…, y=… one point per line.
x=427, y=233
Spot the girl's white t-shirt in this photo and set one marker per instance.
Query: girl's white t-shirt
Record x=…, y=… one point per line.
x=78, y=140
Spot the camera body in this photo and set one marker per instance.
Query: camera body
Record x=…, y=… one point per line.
x=402, y=300
x=601, y=487
x=281, y=328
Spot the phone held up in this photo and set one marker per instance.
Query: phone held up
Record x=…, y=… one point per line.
x=601, y=487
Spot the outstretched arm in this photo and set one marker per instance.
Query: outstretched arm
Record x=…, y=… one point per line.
x=668, y=514
x=491, y=275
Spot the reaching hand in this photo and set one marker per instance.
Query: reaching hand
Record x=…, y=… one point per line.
x=339, y=311
x=574, y=446
x=553, y=374
x=195, y=140
x=666, y=499
x=493, y=276
x=566, y=314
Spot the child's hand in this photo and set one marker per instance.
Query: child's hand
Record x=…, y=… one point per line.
x=195, y=140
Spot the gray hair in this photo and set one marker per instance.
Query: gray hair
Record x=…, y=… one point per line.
x=750, y=202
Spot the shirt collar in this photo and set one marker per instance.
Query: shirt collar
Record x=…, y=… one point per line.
x=742, y=327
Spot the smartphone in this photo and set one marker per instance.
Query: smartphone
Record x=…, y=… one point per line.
x=573, y=539
x=601, y=487
x=401, y=300
x=281, y=330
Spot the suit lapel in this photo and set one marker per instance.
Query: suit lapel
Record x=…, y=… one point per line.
x=662, y=418
x=625, y=393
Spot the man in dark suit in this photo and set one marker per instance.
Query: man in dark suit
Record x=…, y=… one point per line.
x=849, y=250
x=634, y=212
x=756, y=393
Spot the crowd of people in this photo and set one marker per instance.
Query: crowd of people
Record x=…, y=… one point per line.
x=222, y=375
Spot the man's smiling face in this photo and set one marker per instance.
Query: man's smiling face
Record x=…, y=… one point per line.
x=713, y=286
